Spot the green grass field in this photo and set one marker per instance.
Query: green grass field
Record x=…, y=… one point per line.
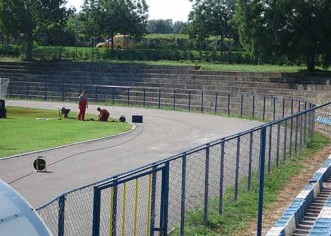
x=28, y=129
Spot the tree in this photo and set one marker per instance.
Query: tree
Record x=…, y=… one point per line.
x=212, y=17
x=106, y=17
x=296, y=29
x=305, y=24
x=29, y=18
x=160, y=26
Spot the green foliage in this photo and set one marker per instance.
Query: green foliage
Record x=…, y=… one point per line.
x=27, y=19
x=22, y=132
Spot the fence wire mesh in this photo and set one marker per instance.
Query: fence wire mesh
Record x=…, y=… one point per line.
x=197, y=184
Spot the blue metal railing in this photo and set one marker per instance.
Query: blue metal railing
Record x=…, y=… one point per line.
x=159, y=196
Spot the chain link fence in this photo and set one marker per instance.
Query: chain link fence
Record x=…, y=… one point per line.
x=165, y=197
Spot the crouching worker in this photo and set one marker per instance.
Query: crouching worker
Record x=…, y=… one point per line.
x=104, y=114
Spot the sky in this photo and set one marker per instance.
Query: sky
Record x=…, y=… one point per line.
x=177, y=10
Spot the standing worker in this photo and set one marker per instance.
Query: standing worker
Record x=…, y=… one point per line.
x=104, y=114
x=82, y=104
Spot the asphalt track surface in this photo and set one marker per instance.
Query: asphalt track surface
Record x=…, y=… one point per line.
x=161, y=135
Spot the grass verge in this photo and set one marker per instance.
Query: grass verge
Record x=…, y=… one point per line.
x=237, y=215
x=28, y=129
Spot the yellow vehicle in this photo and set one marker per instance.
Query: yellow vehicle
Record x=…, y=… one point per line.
x=120, y=42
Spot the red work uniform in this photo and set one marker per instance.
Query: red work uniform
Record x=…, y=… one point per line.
x=82, y=102
x=104, y=115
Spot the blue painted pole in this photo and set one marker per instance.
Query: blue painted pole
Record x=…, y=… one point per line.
x=96, y=212
x=114, y=202
x=236, y=184
x=183, y=196
x=269, y=150
x=152, y=220
x=166, y=198
x=205, y=208
x=220, y=201
x=60, y=225
x=261, y=180
x=250, y=160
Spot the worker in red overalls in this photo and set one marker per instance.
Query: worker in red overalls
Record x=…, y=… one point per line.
x=104, y=114
x=82, y=104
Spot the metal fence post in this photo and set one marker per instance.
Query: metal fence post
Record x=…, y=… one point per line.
x=183, y=195
x=165, y=198
x=63, y=92
x=114, y=209
x=152, y=220
x=263, y=112
x=216, y=102
x=45, y=94
x=220, y=201
x=60, y=225
x=269, y=149
x=285, y=141
x=296, y=134
x=261, y=180
x=274, y=109
x=305, y=130
x=283, y=108
x=278, y=141
x=189, y=101
x=113, y=95
x=250, y=158
x=202, y=102
x=253, y=106
x=144, y=101
x=27, y=91
x=301, y=132
x=241, y=105
x=236, y=184
x=174, y=100
x=229, y=98
x=96, y=93
x=291, y=137
x=205, y=209
x=96, y=212
x=128, y=96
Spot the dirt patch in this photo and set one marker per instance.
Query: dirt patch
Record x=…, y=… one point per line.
x=289, y=192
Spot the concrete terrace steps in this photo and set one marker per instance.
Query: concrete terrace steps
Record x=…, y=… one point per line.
x=314, y=210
